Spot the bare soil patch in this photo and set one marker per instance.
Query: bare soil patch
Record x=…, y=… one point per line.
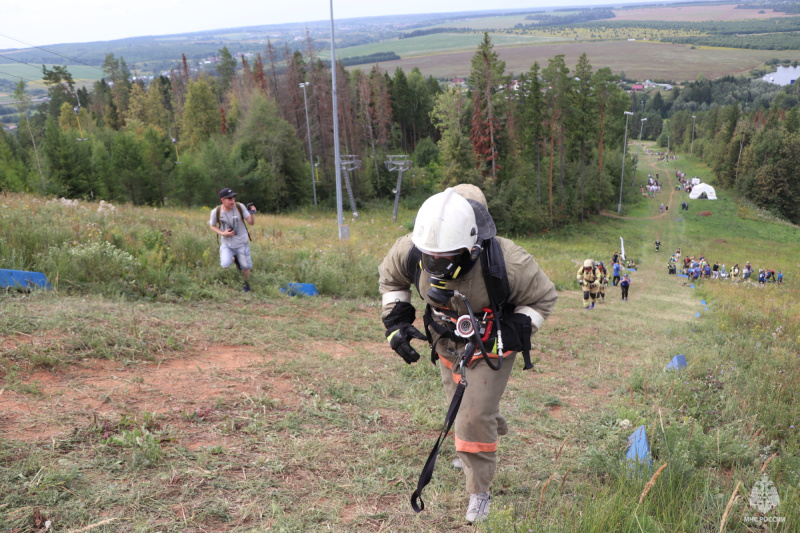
x=177, y=389
x=704, y=214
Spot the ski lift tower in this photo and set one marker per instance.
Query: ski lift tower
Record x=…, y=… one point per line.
x=77, y=110
x=400, y=163
x=175, y=142
x=350, y=162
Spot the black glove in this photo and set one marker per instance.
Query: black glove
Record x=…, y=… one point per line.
x=517, y=331
x=399, y=337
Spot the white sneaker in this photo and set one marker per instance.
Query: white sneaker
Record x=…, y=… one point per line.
x=478, y=507
x=458, y=463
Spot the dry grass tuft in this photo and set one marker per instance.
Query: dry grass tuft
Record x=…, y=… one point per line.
x=652, y=482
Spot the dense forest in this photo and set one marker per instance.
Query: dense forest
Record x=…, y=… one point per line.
x=546, y=147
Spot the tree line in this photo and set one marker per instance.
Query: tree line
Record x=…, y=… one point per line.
x=546, y=147
x=548, y=144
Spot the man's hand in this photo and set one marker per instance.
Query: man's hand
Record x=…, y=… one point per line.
x=399, y=337
x=580, y=282
x=251, y=207
x=228, y=233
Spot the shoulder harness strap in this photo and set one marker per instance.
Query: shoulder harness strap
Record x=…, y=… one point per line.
x=241, y=213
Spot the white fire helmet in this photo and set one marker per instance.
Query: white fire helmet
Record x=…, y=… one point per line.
x=588, y=263
x=445, y=223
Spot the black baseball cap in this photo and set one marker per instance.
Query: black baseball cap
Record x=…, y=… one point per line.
x=226, y=193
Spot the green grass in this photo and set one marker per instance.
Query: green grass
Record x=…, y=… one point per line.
x=125, y=410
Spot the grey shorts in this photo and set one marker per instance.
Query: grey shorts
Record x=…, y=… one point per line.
x=242, y=253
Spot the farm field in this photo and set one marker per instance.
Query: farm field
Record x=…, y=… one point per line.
x=258, y=412
x=436, y=44
x=82, y=74
x=639, y=59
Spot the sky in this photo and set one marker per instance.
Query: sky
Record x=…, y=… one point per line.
x=43, y=22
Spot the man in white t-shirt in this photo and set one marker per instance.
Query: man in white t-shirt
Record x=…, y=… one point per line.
x=228, y=221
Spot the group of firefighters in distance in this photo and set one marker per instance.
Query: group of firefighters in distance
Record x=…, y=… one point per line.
x=593, y=279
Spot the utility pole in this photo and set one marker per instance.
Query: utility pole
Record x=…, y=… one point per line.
x=624, y=148
x=344, y=231
x=691, y=152
x=310, y=153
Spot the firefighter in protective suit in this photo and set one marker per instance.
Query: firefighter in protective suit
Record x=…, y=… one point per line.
x=589, y=279
x=603, y=280
x=452, y=233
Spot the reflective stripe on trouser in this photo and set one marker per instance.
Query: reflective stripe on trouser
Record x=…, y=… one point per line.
x=478, y=418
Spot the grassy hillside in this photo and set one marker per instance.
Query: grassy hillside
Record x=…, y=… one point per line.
x=146, y=392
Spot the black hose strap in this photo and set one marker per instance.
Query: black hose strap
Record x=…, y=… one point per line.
x=427, y=470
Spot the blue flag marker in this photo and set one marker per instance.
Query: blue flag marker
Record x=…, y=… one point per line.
x=639, y=449
x=300, y=289
x=703, y=302
x=706, y=308
x=697, y=315
x=678, y=362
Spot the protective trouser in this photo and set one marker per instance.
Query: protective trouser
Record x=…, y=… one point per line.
x=479, y=421
x=589, y=291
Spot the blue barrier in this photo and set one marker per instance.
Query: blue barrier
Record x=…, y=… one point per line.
x=300, y=289
x=678, y=362
x=23, y=279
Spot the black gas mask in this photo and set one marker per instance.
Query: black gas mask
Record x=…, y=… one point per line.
x=442, y=268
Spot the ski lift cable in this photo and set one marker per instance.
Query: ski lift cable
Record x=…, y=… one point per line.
x=50, y=52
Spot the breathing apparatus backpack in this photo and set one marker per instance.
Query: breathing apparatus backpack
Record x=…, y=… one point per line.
x=493, y=265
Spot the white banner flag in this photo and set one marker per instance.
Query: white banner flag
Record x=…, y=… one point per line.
x=622, y=248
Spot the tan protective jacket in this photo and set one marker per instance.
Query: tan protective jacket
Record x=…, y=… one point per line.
x=589, y=277
x=530, y=290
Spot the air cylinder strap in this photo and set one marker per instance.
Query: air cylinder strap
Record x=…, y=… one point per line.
x=427, y=470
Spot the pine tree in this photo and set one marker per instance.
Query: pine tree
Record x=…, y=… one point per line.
x=486, y=77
